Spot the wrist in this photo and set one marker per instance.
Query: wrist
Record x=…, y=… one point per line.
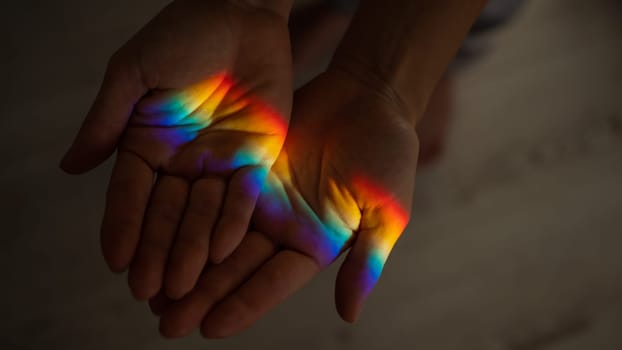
x=375, y=78
x=369, y=81
x=408, y=44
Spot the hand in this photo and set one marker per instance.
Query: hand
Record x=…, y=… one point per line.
x=344, y=180
x=199, y=97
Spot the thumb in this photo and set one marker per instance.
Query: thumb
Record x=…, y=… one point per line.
x=100, y=132
x=362, y=267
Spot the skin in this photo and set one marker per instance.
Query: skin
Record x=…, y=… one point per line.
x=355, y=121
x=180, y=192
x=312, y=195
x=342, y=183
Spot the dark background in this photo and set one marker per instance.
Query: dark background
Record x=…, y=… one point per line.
x=516, y=239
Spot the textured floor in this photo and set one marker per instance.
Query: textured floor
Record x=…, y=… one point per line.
x=516, y=241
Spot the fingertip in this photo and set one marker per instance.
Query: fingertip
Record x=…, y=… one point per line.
x=158, y=304
x=216, y=260
x=66, y=164
x=166, y=334
x=70, y=164
x=349, y=312
x=176, y=290
x=184, y=316
x=141, y=291
x=184, y=269
x=218, y=253
x=348, y=302
x=239, y=204
x=211, y=330
x=116, y=256
x=116, y=269
x=88, y=150
x=146, y=293
x=352, y=288
x=229, y=317
x=144, y=282
x=226, y=238
x=156, y=310
x=117, y=263
x=178, y=320
x=169, y=329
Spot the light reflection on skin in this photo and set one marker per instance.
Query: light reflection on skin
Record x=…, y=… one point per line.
x=325, y=233
x=388, y=219
x=231, y=128
x=216, y=104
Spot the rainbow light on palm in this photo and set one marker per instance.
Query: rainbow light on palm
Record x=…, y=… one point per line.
x=360, y=210
x=217, y=105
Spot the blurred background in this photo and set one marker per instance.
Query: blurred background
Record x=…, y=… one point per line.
x=516, y=237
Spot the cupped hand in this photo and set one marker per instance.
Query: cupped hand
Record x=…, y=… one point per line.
x=344, y=180
x=197, y=104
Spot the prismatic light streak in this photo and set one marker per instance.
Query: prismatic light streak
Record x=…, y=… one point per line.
x=217, y=104
x=381, y=226
x=361, y=213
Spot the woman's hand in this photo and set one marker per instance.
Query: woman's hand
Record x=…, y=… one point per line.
x=197, y=104
x=344, y=180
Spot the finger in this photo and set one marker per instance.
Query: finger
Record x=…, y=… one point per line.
x=242, y=193
x=191, y=247
x=159, y=304
x=362, y=267
x=127, y=198
x=161, y=222
x=103, y=125
x=216, y=282
x=278, y=278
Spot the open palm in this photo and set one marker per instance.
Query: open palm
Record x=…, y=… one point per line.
x=343, y=180
x=197, y=104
